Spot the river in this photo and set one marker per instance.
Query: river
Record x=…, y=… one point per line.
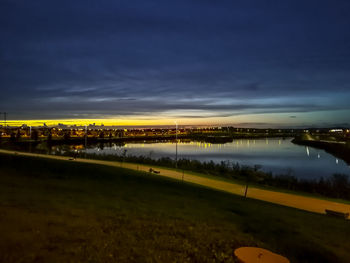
x=276, y=155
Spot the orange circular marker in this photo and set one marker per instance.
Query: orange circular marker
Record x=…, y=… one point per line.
x=258, y=255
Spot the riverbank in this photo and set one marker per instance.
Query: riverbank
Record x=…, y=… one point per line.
x=336, y=148
x=286, y=199
x=68, y=211
x=291, y=174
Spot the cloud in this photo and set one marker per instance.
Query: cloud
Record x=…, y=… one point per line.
x=173, y=58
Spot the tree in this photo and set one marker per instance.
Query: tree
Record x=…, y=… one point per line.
x=49, y=137
x=18, y=135
x=34, y=135
x=66, y=135
x=340, y=184
x=12, y=137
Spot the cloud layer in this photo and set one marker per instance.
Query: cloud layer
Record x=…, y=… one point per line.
x=185, y=58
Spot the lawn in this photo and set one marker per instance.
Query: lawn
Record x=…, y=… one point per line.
x=56, y=211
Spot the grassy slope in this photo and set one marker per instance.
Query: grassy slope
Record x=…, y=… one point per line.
x=253, y=184
x=52, y=211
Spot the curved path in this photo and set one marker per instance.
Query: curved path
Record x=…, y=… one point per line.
x=292, y=200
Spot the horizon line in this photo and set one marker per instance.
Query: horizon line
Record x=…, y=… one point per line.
x=155, y=123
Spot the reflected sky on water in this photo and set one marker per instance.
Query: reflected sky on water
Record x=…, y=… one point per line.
x=276, y=155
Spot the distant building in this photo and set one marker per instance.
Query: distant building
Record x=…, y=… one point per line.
x=336, y=130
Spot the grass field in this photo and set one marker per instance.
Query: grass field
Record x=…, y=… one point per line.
x=54, y=211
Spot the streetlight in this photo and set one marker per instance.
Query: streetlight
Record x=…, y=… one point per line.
x=5, y=118
x=30, y=138
x=85, y=139
x=176, y=145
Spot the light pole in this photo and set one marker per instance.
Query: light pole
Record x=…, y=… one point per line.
x=5, y=117
x=85, y=139
x=30, y=138
x=176, y=144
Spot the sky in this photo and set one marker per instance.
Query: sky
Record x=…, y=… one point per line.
x=249, y=63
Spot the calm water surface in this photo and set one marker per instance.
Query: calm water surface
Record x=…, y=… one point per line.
x=279, y=156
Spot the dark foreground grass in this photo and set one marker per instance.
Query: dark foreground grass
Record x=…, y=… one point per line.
x=55, y=211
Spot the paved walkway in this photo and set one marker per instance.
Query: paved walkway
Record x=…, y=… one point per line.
x=292, y=200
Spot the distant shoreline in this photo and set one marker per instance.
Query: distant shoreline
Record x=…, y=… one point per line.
x=339, y=150
x=205, y=138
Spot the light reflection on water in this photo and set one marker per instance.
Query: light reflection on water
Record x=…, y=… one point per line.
x=276, y=155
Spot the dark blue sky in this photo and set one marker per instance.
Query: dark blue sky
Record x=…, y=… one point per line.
x=245, y=62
